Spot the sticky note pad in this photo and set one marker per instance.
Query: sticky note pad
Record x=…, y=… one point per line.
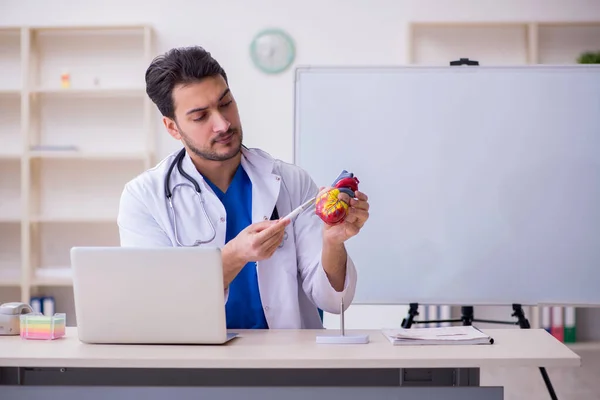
x=39, y=326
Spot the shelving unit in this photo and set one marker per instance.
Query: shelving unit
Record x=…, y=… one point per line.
x=501, y=43
x=506, y=43
x=67, y=150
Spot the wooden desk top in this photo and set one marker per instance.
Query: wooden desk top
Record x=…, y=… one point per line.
x=292, y=349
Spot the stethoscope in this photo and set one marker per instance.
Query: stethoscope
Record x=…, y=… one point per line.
x=178, y=161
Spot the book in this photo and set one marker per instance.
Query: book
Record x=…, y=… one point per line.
x=557, y=328
x=570, y=335
x=451, y=335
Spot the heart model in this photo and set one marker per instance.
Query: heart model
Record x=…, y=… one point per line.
x=329, y=207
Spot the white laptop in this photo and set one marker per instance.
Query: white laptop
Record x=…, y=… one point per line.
x=161, y=295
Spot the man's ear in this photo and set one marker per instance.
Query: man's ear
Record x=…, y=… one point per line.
x=171, y=128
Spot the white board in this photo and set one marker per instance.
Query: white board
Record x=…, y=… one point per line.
x=484, y=182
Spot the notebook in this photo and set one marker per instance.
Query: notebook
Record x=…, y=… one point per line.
x=451, y=335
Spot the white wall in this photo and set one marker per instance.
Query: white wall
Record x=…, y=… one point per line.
x=330, y=32
x=326, y=32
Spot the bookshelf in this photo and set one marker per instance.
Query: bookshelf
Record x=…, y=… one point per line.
x=501, y=43
x=510, y=43
x=76, y=125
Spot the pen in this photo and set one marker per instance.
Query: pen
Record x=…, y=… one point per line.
x=300, y=209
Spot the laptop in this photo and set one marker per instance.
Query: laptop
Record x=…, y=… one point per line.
x=159, y=295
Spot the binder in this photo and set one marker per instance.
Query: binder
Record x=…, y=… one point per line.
x=445, y=314
x=432, y=314
x=36, y=304
x=570, y=327
x=48, y=306
x=546, y=318
x=557, y=329
x=422, y=310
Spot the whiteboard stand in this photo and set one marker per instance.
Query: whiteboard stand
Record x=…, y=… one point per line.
x=467, y=314
x=342, y=338
x=467, y=318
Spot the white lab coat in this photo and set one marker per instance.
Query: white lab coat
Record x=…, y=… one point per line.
x=292, y=282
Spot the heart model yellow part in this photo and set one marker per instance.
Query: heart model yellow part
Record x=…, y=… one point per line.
x=331, y=209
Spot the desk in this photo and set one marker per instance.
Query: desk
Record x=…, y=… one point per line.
x=268, y=364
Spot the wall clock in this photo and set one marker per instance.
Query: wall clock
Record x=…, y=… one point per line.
x=272, y=51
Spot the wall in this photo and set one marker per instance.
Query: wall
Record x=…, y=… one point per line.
x=332, y=32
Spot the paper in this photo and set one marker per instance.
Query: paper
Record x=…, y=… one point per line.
x=450, y=335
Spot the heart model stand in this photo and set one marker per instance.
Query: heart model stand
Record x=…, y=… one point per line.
x=342, y=338
x=347, y=183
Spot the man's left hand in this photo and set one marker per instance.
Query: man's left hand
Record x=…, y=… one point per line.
x=358, y=214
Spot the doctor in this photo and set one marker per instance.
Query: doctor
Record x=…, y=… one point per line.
x=276, y=272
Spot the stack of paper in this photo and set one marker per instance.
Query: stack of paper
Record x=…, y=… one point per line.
x=445, y=335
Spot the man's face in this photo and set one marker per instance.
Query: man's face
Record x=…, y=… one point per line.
x=207, y=119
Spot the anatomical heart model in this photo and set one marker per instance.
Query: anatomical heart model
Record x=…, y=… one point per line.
x=329, y=207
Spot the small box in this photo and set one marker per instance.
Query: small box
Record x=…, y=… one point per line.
x=44, y=327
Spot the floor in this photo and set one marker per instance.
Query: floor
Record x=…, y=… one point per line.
x=569, y=383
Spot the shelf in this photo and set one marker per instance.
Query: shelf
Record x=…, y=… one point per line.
x=91, y=92
x=77, y=155
x=10, y=276
x=91, y=57
x=7, y=219
x=91, y=125
x=10, y=157
x=75, y=126
x=74, y=219
x=10, y=251
x=584, y=346
x=490, y=44
x=10, y=60
x=564, y=43
x=10, y=93
x=10, y=190
x=9, y=294
x=73, y=29
x=55, y=276
x=502, y=43
x=10, y=125
x=54, y=240
x=68, y=188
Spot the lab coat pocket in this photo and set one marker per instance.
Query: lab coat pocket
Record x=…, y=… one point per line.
x=285, y=256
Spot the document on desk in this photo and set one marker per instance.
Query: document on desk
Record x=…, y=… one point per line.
x=451, y=335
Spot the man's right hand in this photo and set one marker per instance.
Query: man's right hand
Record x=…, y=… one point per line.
x=257, y=242
x=260, y=240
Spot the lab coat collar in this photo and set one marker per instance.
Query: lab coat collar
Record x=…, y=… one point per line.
x=265, y=182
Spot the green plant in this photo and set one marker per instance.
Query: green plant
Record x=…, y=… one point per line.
x=589, y=57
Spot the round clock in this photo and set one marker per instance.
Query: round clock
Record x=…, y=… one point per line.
x=272, y=51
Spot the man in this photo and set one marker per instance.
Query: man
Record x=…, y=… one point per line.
x=277, y=273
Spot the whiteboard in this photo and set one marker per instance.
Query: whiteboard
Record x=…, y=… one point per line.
x=483, y=182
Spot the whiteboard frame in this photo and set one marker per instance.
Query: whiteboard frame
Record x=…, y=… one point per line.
x=301, y=71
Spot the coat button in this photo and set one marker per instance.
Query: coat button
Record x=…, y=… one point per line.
x=265, y=217
x=277, y=178
x=222, y=219
x=266, y=308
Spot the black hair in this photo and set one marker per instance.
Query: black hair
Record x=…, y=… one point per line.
x=177, y=66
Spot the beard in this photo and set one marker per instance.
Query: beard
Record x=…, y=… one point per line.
x=234, y=147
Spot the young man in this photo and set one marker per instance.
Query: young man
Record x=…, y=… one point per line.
x=277, y=273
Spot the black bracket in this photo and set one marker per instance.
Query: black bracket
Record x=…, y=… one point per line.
x=464, y=61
